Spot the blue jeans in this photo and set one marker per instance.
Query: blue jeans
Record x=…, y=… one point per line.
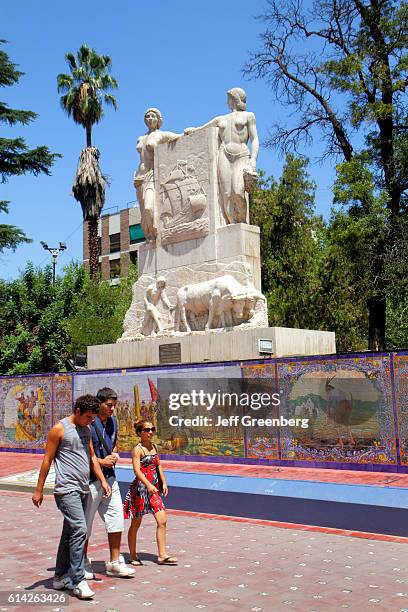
x=70, y=555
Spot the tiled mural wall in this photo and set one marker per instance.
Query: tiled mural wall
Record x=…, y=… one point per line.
x=356, y=406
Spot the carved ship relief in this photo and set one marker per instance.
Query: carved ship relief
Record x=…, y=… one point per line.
x=183, y=204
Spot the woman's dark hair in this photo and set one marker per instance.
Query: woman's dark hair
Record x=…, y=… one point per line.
x=87, y=403
x=106, y=393
x=139, y=425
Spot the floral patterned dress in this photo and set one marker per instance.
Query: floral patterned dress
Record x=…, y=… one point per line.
x=138, y=502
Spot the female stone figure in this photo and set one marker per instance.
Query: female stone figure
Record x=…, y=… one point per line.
x=144, y=175
x=236, y=165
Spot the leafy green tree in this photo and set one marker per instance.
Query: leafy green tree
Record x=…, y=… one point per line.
x=85, y=91
x=99, y=313
x=32, y=315
x=41, y=326
x=397, y=303
x=307, y=273
x=341, y=306
x=290, y=245
x=15, y=156
x=340, y=65
x=397, y=323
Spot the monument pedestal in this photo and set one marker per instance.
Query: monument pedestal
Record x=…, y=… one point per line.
x=236, y=243
x=200, y=347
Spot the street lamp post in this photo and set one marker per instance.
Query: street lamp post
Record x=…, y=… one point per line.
x=55, y=251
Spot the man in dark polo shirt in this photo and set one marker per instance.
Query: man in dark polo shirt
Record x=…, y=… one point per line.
x=104, y=436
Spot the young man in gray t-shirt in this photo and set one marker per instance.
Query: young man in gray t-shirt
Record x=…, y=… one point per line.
x=69, y=444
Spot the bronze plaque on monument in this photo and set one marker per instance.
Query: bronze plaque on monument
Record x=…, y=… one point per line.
x=170, y=353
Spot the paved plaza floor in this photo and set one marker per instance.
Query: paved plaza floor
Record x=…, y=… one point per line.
x=223, y=565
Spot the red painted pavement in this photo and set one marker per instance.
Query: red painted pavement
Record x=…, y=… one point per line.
x=15, y=463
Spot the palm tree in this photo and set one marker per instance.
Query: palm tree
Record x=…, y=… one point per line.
x=85, y=91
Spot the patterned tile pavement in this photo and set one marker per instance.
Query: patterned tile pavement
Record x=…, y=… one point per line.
x=224, y=565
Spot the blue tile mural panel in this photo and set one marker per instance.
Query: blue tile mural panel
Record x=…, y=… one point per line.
x=356, y=407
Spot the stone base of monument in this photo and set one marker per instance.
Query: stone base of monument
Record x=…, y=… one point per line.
x=216, y=346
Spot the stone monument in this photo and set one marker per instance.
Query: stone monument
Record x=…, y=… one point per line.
x=199, y=285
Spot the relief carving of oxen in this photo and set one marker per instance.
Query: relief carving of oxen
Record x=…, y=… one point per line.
x=224, y=300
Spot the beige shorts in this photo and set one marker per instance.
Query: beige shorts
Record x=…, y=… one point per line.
x=110, y=508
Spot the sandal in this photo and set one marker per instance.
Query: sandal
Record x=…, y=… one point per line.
x=136, y=561
x=167, y=561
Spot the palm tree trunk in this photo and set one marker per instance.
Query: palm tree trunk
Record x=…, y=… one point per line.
x=89, y=190
x=89, y=135
x=93, y=248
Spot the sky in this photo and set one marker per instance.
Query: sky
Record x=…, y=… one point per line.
x=178, y=56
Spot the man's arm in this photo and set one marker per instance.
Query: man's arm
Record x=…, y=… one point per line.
x=166, y=300
x=53, y=441
x=96, y=468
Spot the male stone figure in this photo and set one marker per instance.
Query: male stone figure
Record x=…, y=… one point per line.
x=69, y=445
x=104, y=436
x=236, y=164
x=155, y=293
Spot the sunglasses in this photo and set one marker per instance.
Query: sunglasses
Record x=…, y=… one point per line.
x=147, y=429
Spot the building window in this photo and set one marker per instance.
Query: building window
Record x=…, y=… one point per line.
x=114, y=268
x=99, y=246
x=136, y=234
x=133, y=257
x=114, y=243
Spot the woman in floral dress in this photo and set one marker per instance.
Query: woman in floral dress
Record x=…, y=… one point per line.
x=143, y=496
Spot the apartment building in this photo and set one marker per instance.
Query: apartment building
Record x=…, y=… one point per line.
x=120, y=235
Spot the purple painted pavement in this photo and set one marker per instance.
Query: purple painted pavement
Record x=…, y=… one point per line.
x=223, y=565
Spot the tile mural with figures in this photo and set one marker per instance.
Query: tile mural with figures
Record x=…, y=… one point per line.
x=138, y=397
x=62, y=396
x=356, y=407
x=134, y=395
x=261, y=444
x=25, y=411
x=200, y=439
x=348, y=402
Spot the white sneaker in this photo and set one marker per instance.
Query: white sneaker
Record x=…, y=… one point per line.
x=82, y=590
x=121, y=560
x=89, y=574
x=121, y=570
x=63, y=582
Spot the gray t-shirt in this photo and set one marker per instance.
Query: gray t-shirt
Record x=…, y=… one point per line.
x=72, y=459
